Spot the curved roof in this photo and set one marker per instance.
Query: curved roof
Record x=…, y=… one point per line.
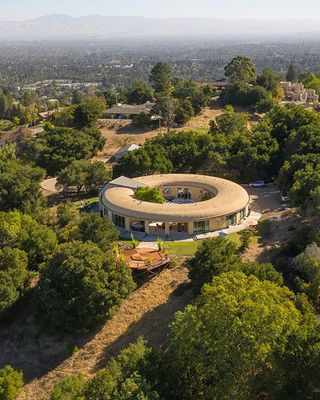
x=229, y=199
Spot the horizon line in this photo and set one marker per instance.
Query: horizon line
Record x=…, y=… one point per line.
x=161, y=18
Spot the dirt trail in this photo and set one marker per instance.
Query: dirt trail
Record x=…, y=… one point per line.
x=146, y=313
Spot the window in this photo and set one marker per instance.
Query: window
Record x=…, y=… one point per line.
x=201, y=226
x=232, y=219
x=184, y=193
x=118, y=220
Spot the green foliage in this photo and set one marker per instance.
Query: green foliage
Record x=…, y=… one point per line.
x=263, y=272
x=149, y=194
x=92, y=227
x=84, y=175
x=79, y=288
x=292, y=74
x=138, y=93
x=222, y=347
x=64, y=118
x=134, y=242
x=69, y=388
x=184, y=112
x=312, y=82
x=307, y=269
x=240, y=70
x=55, y=149
x=23, y=232
x=230, y=122
x=123, y=378
x=269, y=81
x=245, y=237
x=20, y=186
x=14, y=276
x=11, y=382
x=87, y=113
x=213, y=256
x=160, y=80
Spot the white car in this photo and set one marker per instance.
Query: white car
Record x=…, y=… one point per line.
x=257, y=184
x=284, y=198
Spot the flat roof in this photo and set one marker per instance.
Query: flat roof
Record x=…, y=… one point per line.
x=129, y=109
x=229, y=198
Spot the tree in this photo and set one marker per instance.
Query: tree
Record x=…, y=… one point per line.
x=312, y=82
x=263, y=272
x=23, y=232
x=20, y=186
x=11, y=382
x=240, y=70
x=123, y=378
x=298, y=374
x=292, y=74
x=139, y=93
x=307, y=268
x=14, y=277
x=230, y=122
x=184, y=112
x=160, y=80
x=213, y=256
x=69, y=388
x=166, y=108
x=65, y=117
x=84, y=175
x=79, y=288
x=222, y=347
x=55, y=149
x=269, y=81
x=245, y=237
x=98, y=230
x=88, y=112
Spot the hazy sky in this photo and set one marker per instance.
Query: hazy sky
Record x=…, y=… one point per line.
x=24, y=9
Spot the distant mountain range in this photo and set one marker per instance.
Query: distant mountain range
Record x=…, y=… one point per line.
x=58, y=27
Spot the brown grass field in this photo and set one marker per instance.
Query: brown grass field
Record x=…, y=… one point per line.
x=119, y=133
x=146, y=313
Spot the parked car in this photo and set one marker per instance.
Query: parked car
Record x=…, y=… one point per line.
x=284, y=198
x=257, y=184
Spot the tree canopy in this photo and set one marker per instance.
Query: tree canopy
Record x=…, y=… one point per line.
x=221, y=347
x=79, y=288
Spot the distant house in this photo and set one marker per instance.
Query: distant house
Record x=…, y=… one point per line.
x=296, y=92
x=124, y=150
x=220, y=84
x=126, y=111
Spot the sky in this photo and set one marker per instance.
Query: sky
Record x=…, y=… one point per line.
x=262, y=9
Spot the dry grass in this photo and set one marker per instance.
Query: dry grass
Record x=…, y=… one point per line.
x=119, y=133
x=147, y=312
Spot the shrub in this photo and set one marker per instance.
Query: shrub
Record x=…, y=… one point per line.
x=151, y=195
x=11, y=382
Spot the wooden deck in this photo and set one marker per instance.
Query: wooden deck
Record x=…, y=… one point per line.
x=144, y=259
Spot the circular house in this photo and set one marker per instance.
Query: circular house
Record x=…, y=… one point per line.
x=192, y=204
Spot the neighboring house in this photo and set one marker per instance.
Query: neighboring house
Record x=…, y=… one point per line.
x=48, y=114
x=296, y=92
x=126, y=111
x=124, y=150
x=220, y=84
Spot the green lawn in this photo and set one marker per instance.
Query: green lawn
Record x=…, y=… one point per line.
x=187, y=249
x=184, y=249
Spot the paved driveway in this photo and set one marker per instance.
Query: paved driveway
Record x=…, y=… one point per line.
x=267, y=198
